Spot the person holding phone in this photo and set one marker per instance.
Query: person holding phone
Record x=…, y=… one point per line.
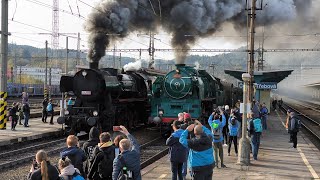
x=41, y=168
x=129, y=157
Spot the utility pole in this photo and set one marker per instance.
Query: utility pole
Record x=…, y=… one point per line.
x=46, y=75
x=114, y=56
x=78, y=50
x=151, y=50
x=248, y=78
x=66, y=68
x=4, y=63
x=261, y=52
x=49, y=91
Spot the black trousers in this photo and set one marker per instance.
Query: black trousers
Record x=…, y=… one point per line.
x=44, y=115
x=51, y=113
x=235, y=142
x=293, y=135
x=204, y=174
x=176, y=169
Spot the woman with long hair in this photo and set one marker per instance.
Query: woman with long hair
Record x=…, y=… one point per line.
x=41, y=169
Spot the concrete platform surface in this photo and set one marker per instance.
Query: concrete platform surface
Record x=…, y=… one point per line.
x=276, y=158
x=37, y=129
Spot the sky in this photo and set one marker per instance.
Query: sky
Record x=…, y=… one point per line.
x=30, y=23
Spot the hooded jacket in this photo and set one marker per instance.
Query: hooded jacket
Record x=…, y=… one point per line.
x=131, y=158
x=68, y=171
x=177, y=152
x=98, y=156
x=221, y=125
x=200, y=149
x=89, y=146
x=76, y=155
x=292, y=124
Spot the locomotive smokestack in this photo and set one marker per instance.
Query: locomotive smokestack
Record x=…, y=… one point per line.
x=94, y=65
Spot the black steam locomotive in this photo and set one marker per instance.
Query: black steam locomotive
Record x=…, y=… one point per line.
x=105, y=97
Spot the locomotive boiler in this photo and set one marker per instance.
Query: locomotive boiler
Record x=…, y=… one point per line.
x=104, y=98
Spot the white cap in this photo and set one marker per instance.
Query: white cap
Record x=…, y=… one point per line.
x=226, y=107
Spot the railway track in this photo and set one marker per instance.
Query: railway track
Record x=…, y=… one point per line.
x=150, y=151
x=308, y=114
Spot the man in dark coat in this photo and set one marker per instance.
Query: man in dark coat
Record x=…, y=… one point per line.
x=89, y=146
x=105, y=149
x=44, y=110
x=177, y=152
x=293, y=129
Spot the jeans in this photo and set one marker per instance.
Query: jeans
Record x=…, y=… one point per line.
x=294, y=138
x=176, y=169
x=26, y=119
x=185, y=169
x=234, y=139
x=255, y=143
x=217, y=146
x=225, y=134
x=264, y=122
x=51, y=113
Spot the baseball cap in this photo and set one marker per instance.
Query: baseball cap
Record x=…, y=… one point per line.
x=226, y=107
x=289, y=110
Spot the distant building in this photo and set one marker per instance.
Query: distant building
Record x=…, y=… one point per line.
x=40, y=73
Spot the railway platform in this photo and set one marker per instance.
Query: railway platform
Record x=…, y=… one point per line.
x=37, y=130
x=276, y=159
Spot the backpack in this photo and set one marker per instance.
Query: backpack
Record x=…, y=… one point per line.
x=233, y=128
x=76, y=176
x=49, y=107
x=105, y=166
x=297, y=125
x=125, y=174
x=257, y=125
x=216, y=130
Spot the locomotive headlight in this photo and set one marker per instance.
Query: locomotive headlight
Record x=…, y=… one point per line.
x=66, y=112
x=95, y=113
x=84, y=73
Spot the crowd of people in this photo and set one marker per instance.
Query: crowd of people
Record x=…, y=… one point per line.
x=18, y=112
x=200, y=147
x=99, y=158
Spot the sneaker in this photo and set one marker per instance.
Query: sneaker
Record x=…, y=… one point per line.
x=228, y=154
x=51, y=123
x=223, y=166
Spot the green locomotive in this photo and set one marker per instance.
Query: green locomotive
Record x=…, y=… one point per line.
x=187, y=89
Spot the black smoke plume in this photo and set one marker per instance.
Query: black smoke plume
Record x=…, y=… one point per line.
x=185, y=20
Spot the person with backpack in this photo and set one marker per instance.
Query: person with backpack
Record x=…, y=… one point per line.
x=177, y=152
x=264, y=116
x=44, y=110
x=255, y=130
x=101, y=167
x=216, y=129
x=233, y=134
x=89, y=146
x=294, y=128
x=200, y=159
x=68, y=171
x=74, y=153
x=127, y=164
x=50, y=110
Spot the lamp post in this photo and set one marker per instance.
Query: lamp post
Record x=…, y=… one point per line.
x=244, y=143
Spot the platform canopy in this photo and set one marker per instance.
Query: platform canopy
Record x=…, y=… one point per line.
x=262, y=76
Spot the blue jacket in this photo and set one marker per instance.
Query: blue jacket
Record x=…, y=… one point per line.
x=177, y=152
x=131, y=159
x=222, y=124
x=264, y=111
x=200, y=149
x=76, y=155
x=230, y=126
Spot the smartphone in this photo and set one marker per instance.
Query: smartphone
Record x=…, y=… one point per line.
x=116, y=128
x=35, y=164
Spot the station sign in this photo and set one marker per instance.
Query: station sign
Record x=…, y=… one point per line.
x=261, y=85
